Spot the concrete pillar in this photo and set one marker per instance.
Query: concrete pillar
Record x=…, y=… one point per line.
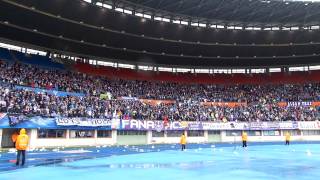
x=223, y=136
x=149, y=137
x=67, y=134
x=165, y=136
x=67, y=137
x=0, y=137
x=95, y=134
x=95, y=137
x=114, y=136
x=206, y=136
x=300, y=135
x=33, y=136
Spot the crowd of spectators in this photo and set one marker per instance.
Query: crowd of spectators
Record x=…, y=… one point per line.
x=94, y=85
x=261, y=100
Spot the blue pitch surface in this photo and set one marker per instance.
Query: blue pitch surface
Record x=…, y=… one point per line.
x=260, y=161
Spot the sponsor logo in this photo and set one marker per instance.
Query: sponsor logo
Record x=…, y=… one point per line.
x=158, y=125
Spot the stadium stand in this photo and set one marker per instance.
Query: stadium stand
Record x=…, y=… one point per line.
x=127, y=94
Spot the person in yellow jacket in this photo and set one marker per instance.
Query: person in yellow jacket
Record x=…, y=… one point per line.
x=288, y=138
x=183, y=142
x=21, y=146
x=244, y=139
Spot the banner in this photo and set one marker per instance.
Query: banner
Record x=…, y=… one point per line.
x=51, y=92
x=299, y=104
x=198, y=125
x=2, y=115
x=263, y=125
x=156, y=102
x=35, y=122
x=151, y=125
x=106, y=96
x=127, y=98
x=84, y=122
x=250, y=126
x=22, y=121
x=289, y=125
x=224, y=126
x=309, y=125
x=224, y=104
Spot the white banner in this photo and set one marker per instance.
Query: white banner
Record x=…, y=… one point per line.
x=85, y=122
x=312, y=125
x=133, y=124
x=297, y=103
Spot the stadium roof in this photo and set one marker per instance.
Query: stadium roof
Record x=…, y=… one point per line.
x=91, y=31
x=229, y=12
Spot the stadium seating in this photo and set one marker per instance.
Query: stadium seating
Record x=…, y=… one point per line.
x=5, y=55
x=106, y=92
x=37, y=60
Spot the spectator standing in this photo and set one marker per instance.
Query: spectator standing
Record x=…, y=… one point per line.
x=183, y=142
x=244, y=139
x=287, y=138
x=21, y=146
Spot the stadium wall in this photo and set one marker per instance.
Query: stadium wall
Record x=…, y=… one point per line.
x=36, y=142
x=60, y=132
x=190, y=78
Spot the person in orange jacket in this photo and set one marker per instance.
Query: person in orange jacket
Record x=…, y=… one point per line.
x=14, y=138
x=21, y=146
x=244, y=139
x=183, y=142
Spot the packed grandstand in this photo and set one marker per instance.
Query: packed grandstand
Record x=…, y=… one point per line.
x=160, y=89
x=95, y=96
